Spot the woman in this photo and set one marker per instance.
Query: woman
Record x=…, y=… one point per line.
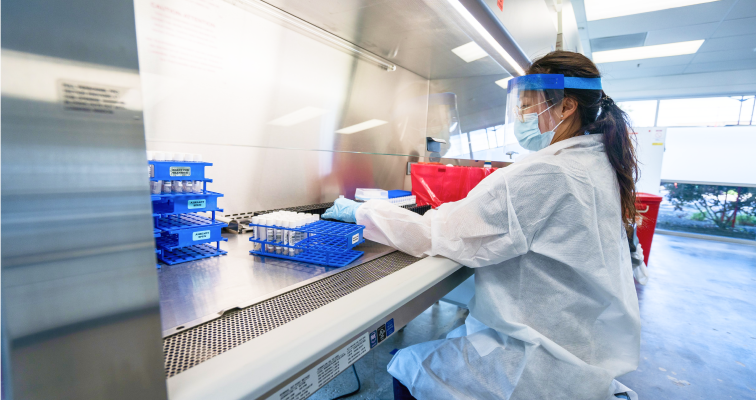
x=555, y=313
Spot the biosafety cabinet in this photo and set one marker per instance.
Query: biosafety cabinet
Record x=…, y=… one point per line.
x=293, y=103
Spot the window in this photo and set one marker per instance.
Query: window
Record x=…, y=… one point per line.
x=710, y=111
x=479, y=140
x=642, y=113
x=458, y=146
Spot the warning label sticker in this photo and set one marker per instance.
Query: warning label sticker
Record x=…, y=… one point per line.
x=201, y=235
x=312, y=380
x=181, y=171
x=197, y=203
x=92, y=97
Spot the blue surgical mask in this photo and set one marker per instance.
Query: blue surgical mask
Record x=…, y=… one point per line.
x=529, y=134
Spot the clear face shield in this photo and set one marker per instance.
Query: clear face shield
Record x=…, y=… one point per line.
x=534, y=106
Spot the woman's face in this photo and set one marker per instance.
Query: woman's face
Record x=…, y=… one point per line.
x=537, y=102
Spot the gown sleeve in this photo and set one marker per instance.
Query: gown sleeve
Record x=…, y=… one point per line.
x=497, y=221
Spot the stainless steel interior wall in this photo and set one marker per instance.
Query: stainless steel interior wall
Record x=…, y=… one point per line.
x=266, y=104
x=80, y=316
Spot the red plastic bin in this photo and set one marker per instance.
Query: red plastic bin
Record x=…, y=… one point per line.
x=648, y=210
x=436, y=184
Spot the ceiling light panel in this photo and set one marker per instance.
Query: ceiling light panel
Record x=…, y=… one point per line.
x=485, y=34
x=644, y=52
x=298, y=116
x=603, y=9
x=361, y=126
x=503, y=82
x=470, y=52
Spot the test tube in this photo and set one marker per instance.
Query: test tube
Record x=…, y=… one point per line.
x=279, y=234
x=285, y=236
x=271, y=234
x=298, y=235
x=198, y=185
x=256, y=233
x=157, y=186
x=262, y=232
x=177, y=186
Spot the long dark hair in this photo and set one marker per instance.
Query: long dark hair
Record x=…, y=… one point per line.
x=598, y=113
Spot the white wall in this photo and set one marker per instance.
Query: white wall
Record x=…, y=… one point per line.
x=711, y=155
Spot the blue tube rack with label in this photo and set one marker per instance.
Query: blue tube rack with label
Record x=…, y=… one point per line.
x=323, y=243
x=182, y=235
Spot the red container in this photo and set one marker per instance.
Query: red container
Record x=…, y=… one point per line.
x=436, y=184
x=648, y=210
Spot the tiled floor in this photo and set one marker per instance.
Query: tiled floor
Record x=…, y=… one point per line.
x=698, y=316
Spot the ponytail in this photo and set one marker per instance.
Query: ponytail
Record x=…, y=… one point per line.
x=613, y=123
x=598, y=113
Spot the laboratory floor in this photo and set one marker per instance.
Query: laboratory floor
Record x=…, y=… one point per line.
x=698, y=338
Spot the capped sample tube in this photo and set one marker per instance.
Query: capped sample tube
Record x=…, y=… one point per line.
x=256, y=233
x=198, y=185
x=271, y=232
x=291, y=224
x=279, y=234
x=177, y=186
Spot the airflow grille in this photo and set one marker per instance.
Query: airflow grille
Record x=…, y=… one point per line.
x=193, y=346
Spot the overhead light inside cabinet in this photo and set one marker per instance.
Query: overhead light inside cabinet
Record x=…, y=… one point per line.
x=470, y=52
x=301, y=115
x=361, y=126
x=459, y=8
x=603, y=9
x=639, y=53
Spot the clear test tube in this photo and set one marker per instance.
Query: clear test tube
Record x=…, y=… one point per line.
x=279, y=234
x=151, y=157
x=271, y=234
x=299, y=235
x=291, y=224
x=198, y=185
x=187, y=186
x=254, y=221
x=285, y=236
x=167, y=187
x=156, y=187
x=177, y=186
x=262, y=232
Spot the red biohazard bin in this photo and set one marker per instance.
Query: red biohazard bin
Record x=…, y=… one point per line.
x=436, y=184
x=648, y=210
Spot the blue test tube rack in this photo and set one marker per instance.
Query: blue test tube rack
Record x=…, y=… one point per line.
x=182, y=235
x=323, y=242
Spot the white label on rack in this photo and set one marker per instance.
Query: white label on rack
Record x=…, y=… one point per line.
x=197, y=203
x=309, y=382
x=181, y=171
x=355, y=238
x=200, y=235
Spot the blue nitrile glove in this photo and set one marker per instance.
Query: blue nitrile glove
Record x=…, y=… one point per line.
x=343, y=210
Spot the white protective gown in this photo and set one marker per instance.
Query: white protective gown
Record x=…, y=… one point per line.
x=555, y=313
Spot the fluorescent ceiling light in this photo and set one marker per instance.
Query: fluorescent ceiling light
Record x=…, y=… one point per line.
x=298, y=116
x=602, y=9
x=361, y=126
x=470, y=52
x=503, y=82
x=639, y=53
x=484, y=33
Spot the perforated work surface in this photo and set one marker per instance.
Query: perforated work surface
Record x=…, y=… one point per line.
x=193, y=346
